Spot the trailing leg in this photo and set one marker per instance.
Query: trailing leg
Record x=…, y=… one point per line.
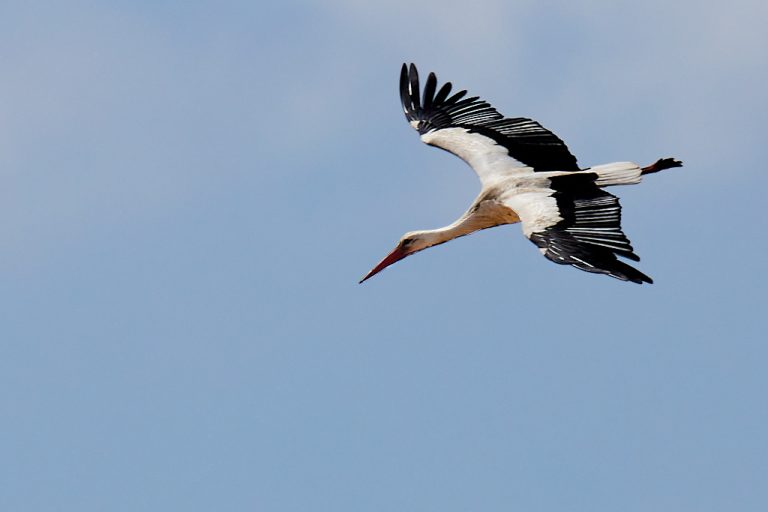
x=661, y=164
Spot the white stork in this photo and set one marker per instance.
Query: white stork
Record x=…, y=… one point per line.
x=527, y=175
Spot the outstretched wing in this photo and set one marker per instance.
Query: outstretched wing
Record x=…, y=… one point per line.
x=473, y=130
x=576, y=223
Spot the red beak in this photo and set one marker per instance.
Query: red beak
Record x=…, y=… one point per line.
x=391, y=258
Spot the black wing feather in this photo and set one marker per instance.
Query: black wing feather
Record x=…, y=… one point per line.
x=589, y=237
x=429, y=91
x=525, y=139
x=443, y=93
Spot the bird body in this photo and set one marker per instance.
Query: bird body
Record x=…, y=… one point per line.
x=527, y=175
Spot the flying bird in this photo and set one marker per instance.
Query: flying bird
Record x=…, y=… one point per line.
x=528, y=176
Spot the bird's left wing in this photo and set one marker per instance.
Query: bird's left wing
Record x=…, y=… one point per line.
x=476, y=132
x=574, y=222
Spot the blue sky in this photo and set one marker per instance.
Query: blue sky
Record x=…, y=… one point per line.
x=191, y=191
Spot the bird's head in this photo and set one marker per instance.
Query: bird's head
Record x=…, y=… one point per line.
x=410, y=243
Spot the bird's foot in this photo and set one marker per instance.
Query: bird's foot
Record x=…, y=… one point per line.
x=661, y=164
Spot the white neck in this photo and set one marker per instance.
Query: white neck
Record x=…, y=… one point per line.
x=486, y=215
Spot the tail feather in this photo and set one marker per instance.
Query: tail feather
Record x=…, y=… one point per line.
x=629, y=173
x=617, y=173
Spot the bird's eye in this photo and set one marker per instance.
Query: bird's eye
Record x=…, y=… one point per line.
x=407, y=242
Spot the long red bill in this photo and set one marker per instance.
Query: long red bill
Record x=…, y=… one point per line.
x=391, y=258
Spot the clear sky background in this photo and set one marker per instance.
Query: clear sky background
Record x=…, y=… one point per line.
x=190, y=191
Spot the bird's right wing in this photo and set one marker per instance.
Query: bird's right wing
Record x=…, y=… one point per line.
x=574, y=222
x=473, y=130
